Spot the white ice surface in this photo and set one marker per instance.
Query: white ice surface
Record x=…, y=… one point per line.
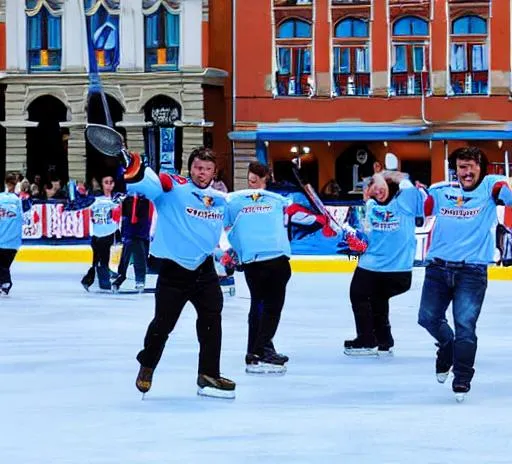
x=67, y=394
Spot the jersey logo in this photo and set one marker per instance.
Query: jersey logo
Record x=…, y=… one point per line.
x=5, y=213
x=207, y=200
x=179, y=179
x=459, y=200
x=255, y=196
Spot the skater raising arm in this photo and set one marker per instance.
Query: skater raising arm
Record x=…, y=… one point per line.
x=190, y=222
x=463, y=242
x=385, y=269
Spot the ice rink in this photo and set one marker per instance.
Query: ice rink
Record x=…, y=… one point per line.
x=67, y=393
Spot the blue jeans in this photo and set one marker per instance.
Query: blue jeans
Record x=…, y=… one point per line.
x=464, y=286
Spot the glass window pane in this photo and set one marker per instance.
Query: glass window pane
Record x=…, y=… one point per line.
x=172, y=30
x=362, y=60
x=410, y=25
x=479, y=58
x=360, y=28
x=344, y=28
x=302, y=29
x=283, y=58
x=418, y=59
x=54, y=38
x=306, y=61
x=286, y=30
x=344, y=61
x=477, y=25
x=461, y=26
x=400, y=64
x=458, y=61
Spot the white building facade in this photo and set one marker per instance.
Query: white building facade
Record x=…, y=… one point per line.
x=149, y=55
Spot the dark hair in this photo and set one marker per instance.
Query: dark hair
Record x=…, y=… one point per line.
x=260, y=169
x=203, y=154
x=11, y=178
x=469, y=154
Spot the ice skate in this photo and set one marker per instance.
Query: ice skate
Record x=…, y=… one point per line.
x=269, y=363
x=5, y=288
x=115, y=288
x=144, y=379
x=460, y=389
x=357, y=348
x=385, y=350
x=139, y=287
x=443, y=367
x=215, y=387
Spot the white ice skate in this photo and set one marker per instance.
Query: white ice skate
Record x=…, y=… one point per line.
x=265, y=368
x=460, y=397
x=361, y=351
x=215, y=388
x=442, y=376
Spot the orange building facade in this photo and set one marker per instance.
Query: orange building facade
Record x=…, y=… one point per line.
x=343, y=82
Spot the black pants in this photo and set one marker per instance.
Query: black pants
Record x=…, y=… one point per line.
x=135, y=247
x=267, y=284
x=175, y=287
x=100, y=260
x=6, y=258
x=369, y=294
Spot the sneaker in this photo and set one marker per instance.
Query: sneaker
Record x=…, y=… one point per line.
x=144, y=379
x=215, y=387
x=442, y=366
x=269, y=363
x=460, y=388
x=357, y=348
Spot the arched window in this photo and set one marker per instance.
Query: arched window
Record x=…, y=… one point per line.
x=469, y=25
x=293, y=47
x=162, y=34
x=103, y=26
x=469, y=61
x=44, y=37
x=410, y=25
x=351, y=73
x=410, y=50
x=294, y=29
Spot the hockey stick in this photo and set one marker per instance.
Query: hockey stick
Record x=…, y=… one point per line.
x=317, y=202
x=103, y=138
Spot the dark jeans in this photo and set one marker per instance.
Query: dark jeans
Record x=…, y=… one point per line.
x=464, y=286
x=135, y=247
x=6, y=258
x=100, y=261
x=267, y=284
x=175, y=287
x=370, y=293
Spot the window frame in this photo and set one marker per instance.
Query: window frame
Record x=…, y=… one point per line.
x=113, y=55
x=172, y=51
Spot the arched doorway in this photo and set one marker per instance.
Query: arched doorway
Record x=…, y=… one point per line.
x=98, y=165
x=163, y=143
x=47, y=152
x=352, y=166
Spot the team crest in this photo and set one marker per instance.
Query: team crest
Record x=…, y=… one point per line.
x=459, y=200
x=255, y=196
x=207, y=200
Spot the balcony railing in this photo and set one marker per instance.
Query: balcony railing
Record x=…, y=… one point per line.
x=293, y=3
x=352, y=84
x=350, y=2
x=291, y=86
x=403, y=83
x=469, y=82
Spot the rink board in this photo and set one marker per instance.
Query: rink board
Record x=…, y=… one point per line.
x=83, y=254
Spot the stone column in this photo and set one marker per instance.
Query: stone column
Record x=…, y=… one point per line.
x=16, y=36
x=76, y=152
x=244, y=153
x=131, y=36
x=191, y=34
x=16, y=149
x=74, y=37
x=192, y=138
x=133, y=124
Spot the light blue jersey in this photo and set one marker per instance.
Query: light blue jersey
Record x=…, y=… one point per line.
x=256, y=219
x=190, y=219
x=103, y=217
x=11, y=221
x=391, y=234
x=466, y=221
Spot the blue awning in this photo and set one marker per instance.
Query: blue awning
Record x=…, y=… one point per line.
x=477, y=134
x=242, y=136
x=338, y=132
